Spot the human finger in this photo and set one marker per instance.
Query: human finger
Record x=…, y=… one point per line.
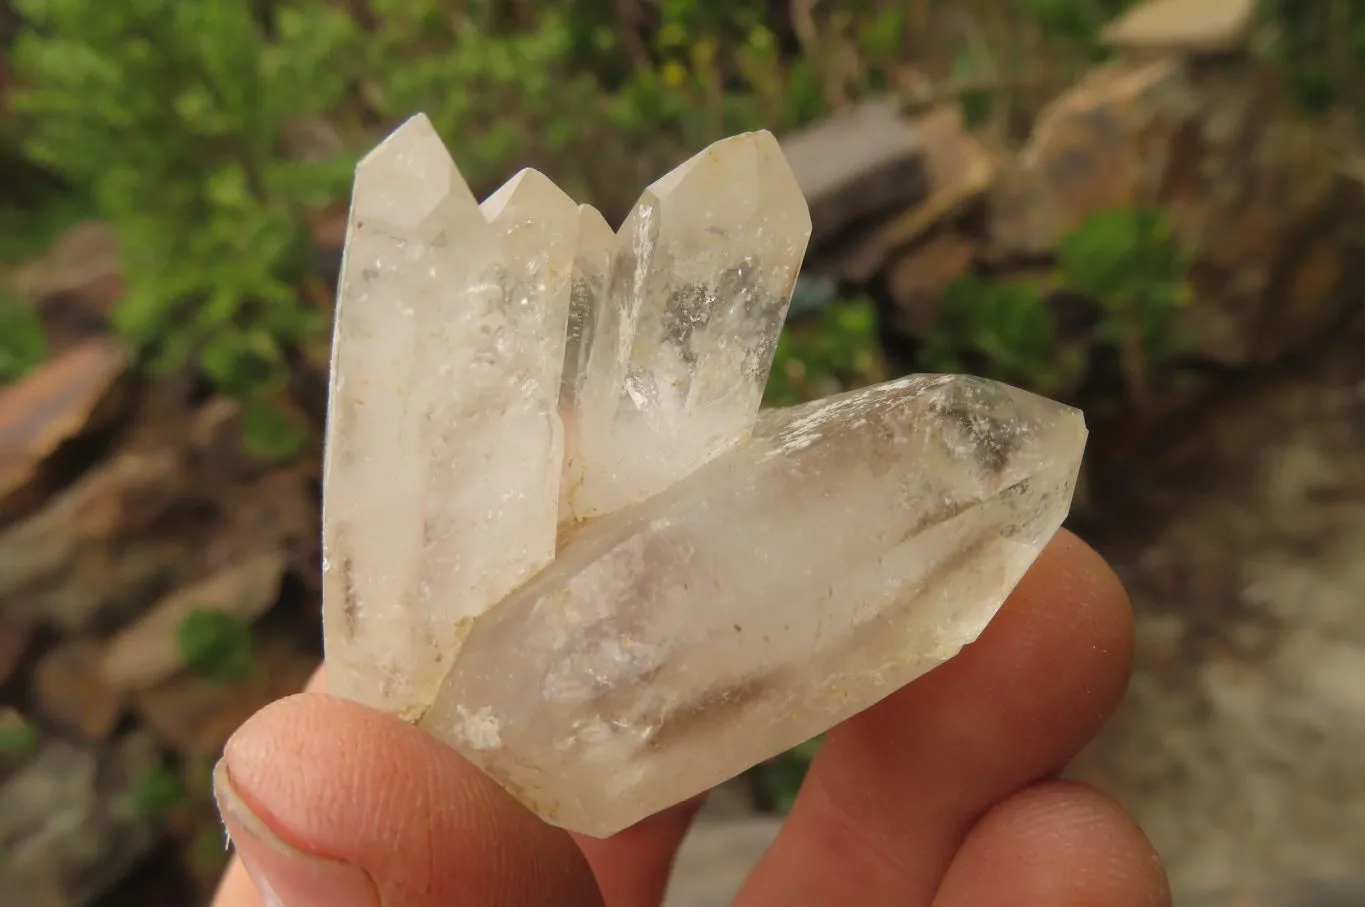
x=894, y=790
x=1055, y=844
x=331, y=803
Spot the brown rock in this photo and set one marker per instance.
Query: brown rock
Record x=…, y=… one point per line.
x=101, y=549
x=277, y=513
x=148, y=651
x=1248, y=184
x=72, y=691
x=916, y=280
x=1183, y=26
x=76, y=284
x=195, y=716
x=960, y=171
x=75, y=394
x=1105, y=143
x=860, y=162
x=15, y=638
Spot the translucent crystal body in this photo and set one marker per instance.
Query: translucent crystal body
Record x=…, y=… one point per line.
x=556, y=537
x=852, y=545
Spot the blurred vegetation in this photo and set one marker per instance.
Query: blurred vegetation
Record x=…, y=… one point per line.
x=18, y=736
x=23, y=346
x=207, y=133
x=216, y=645
x=159, y=790
x=1125, y=261
x=823, y=354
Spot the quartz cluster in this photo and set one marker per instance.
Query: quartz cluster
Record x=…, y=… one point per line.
x=558, y=533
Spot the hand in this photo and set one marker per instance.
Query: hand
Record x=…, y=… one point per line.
x=940, y=795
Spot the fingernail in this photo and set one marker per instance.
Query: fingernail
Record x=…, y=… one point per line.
x=284, y=875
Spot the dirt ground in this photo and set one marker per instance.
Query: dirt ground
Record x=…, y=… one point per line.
x=1241, y=745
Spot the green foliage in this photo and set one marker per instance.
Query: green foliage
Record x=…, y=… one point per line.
x=582, y=90
x=835, y=351
x=208, y=850
x=23, y=345
x=173, y=115
x=271, y=433
x=180, y=122
x=216, y=645
x=1321, y=47
x=28, y=227
x=1125, y=261
x=781, y=778
x=1077, y=22
x=18, y=737
x=156, y=792
x=1005, y=331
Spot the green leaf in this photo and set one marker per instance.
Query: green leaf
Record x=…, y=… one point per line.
x=156, y=792
x=23, y=343
x=216, y=645
x=18, y=737
x=270, y=433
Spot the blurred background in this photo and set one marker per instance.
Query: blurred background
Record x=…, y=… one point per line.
x=1151, y=210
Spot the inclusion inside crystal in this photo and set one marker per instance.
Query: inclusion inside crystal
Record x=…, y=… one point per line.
x=559, y=536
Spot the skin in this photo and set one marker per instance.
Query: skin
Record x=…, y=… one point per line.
x=942, y=795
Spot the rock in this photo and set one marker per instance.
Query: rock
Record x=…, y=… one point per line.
x=1183, y=26
x=960, y=171
x=15, y=638
x=67, y=827
x=72, y=692
x=917, y=279
x=1107, y=142
x=278, y=513
x=861, y=162
x=715, y=859
x=1249, y=186
x=98, y=551
x=78, y=393
x=148, y=651
x=216, y=444
x=76, y=284
x=195, y=715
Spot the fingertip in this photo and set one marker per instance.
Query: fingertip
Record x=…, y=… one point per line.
x=1071, y=589
x=333, y=779
x=1056, y=844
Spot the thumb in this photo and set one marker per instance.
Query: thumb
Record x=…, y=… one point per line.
x=331, y=804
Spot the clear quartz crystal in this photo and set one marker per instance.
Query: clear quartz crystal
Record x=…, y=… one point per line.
x=441, y=473
x=504, y=368
x=850, y=546
x=702, y=275
x=592, y=270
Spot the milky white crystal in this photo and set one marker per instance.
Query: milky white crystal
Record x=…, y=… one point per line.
x=442, y=467
x=554, y=535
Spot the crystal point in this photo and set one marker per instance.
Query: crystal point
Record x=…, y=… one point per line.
x=703, y=273
x=441, y=472
x=848, y=547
